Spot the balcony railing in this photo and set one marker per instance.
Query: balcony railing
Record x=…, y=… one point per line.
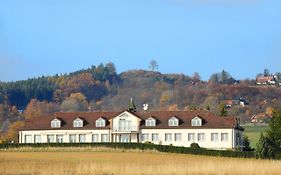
x=126, y=129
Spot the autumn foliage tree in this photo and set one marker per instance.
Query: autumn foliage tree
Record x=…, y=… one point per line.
x=13, y=132
x=37, y=108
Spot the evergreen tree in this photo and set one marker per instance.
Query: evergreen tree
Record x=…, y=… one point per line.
x=223, y=111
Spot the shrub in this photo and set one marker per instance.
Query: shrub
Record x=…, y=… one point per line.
x=194, y=145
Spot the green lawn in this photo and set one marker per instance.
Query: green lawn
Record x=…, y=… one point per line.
x=253, y=132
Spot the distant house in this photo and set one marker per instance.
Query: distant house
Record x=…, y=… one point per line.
x=266, y=80
x=228, y=103
x=261, y=118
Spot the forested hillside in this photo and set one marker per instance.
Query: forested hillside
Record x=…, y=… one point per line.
x=102, y=88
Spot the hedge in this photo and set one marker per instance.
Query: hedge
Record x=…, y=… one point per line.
x=141, y=146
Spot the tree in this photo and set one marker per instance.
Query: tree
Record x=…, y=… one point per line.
x=266, y=148
x=13, y=132
x=246, y=144
x=37, y=108
x=265, y=72
x=223, y=111
x=153, y=65
x=274, y=131
x=196, y=76
x=269, y=144
x=76, y=102
x=214, y=79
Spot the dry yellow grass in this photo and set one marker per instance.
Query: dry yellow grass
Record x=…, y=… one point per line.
x=103, y=161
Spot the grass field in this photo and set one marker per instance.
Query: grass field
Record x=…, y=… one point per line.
x=254, y=133
x=105, y=161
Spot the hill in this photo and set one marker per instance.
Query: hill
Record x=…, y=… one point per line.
x=102, y=88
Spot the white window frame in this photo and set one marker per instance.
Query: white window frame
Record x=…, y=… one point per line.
x=214, y=137
x=178, y=137
x=201, y=137
x=191, y=137
x=173, y=121
x=196, y=121
x=50, y=138
x=59, y=138
x=78, y=123
x=37, y=138
x=55, y=123
x=82, y=138
x=168, y=137
x=150, y=122
x=145, y=137
x=154, y=137
x=95, y=138
x=28, y=138
x=224, y=137
x=72, y=138
x=104, y=138
x=100, y=122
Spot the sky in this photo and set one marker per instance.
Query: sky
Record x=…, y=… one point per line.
x=47, y=37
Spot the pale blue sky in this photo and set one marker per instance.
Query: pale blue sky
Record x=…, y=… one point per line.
x=44, y=37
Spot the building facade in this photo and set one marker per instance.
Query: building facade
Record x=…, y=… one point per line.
x=178, y=128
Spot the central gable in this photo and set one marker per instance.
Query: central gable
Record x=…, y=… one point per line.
x=126, y=121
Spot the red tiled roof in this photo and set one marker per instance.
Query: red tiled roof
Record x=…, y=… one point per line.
x=209, y=120
x=265, y=79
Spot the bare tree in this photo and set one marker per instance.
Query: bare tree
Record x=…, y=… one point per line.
x=153, y=65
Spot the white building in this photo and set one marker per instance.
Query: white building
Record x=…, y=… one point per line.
x=178, y=128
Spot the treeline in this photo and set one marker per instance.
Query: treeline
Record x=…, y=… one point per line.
x=94, y=83
x=102, y=88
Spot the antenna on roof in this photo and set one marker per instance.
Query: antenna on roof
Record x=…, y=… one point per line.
x=145, y=107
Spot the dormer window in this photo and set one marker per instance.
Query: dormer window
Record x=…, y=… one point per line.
x=174, y=121
x=55, y=123
x=196, y=121
x=150, y=122
x=78, y=123
x=100, y=122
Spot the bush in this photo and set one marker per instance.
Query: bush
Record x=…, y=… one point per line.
x=194, y=145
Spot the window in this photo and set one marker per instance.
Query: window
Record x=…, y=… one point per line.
x=72, y=138
x=104, y=138
x=145, y=137
x=177, y=137
x=56, y=123
x=59, y=138
x=168, y=137
x=28, y=139
x=37, y=138
x=224, y=137
x=214, y=137
x=154, y=137
x=124, y=125
x=174, y=121
x=82, y=138
x=100, y=122
x=50, y=138
x=191, y=137
x=95, y=138
x=196, y=121
x=78, y=123
x=150, y=122
x=201, y=137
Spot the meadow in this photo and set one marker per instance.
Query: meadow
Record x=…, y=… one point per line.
x=254, y=133
x=109, y=161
